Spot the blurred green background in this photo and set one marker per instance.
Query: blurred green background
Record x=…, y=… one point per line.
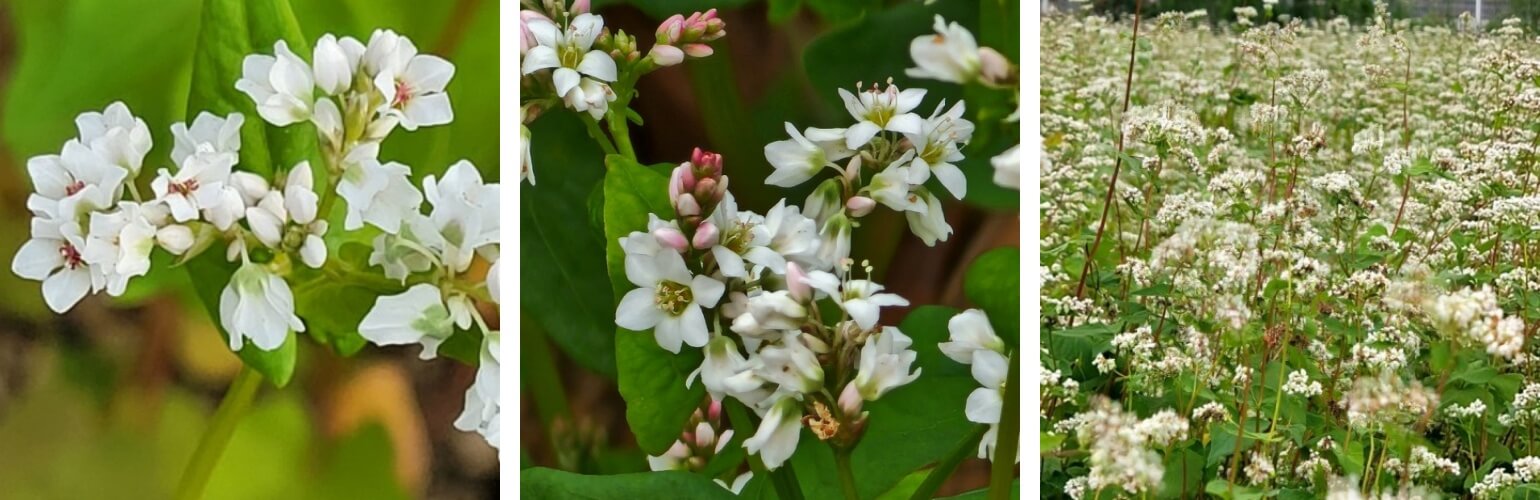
x=109, y=400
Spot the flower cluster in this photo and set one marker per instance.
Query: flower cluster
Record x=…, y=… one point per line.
x=745, y=288
x=87, y=237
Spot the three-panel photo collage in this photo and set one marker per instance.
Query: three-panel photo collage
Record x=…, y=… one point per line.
x=771, y=249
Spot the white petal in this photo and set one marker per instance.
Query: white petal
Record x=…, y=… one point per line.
x=693, y=327
x=638, y=310
x=598, y=65
x=730, y=263
x=65, y=288
x=539, y=58
x=565, y=80
x=860, y=134
x=907, y=123
x=984, y=405
x=707, y=291
x=37, y=258
x=427, y=111
x=429, y=73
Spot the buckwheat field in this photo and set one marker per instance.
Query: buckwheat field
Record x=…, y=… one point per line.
x=1312, y=257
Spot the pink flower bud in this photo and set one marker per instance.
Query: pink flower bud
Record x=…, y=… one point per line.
x=665, y=55
x=706, y=236
x=686, y=206
x=671, y=238
x=669, y=30
x=580, y=7
x=707, y=164
x=859, y=206
x=698, y=50
x=705, y=436
x=705, y=189
x=714, y=411
x=681, y=180
x=796, y=283
x=850, y=400
x=994, y=66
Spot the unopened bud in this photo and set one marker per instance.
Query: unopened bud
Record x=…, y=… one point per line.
x=796, y=283
x=580, y=7
x=670, y=29
x=252, y=187
x=714, y=411
x=681, y=180
x=175, y=238
x=824, y=201
x=850, y=400
x=705, y=436
x=859, y=206
x=706, y=236
x=698, y=50
x=706, y=162
x=686, y=206
x=705, y=191
x=994, y=67
x=672, y=238
x=665, y=55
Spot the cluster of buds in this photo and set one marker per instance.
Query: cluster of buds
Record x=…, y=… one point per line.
x=699, y=442
x=556, y=9
x=621, y=46
x=679, y=36
x=696, y=186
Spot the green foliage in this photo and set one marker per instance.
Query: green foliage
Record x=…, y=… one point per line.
x=560, y=253
x=540, y=482
x=993, y=282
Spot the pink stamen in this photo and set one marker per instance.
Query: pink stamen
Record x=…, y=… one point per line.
x=72, y=259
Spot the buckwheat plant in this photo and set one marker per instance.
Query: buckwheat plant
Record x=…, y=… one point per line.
x=771, y=313
x=1311, y=241
x=410, y=248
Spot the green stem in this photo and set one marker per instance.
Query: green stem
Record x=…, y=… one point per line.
x=540, y=378
x=944, y=469
x=847, y=479
x=243, y=390
x=598, y=135
x=1002, y=471
x=621, y=133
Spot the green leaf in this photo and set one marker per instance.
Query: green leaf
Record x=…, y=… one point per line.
x=911, y=427
x=652, y=380
x=229, y=31
x=993, y=282
x=561, y=255
x=540, y=482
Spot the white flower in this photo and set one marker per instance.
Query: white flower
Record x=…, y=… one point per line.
x=379, y=194
x=209, y=134
x=197, y=185
x=792, y=235
x=257, y=305
x=937, y=145
x=833, y=242
x=413, y=85
x=970, y=332
x=669, y=299
x=116, y=135
x=73, y=182
x=483, y=406
x=743, y=237
x=797, y=159
x=984, y=403
x=416, y=316
x=280, y=84
x=885, y=362
x=675, y=458
x=334, y=61
x=578, y=69
x=777, y=436
x=860, y=298
x=120, y=242
x=891, y=187
x=768, y=314
x=790, y=364
x=930, y=225
x=54, y=257
x=464, y=218
x=494, y=278
x=878, y=110
x=527, y=168
x=719, y=370
x=1008, y=167
x=950, y=55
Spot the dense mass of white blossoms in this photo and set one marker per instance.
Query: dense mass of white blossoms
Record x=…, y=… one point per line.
x=93, y=230
x=1316, y=228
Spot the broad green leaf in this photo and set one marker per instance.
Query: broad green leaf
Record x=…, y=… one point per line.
x=540, y=482
x=993, y=282
x=911, y=427
x=652, y=380
x=981, y=494
x=561, y=255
